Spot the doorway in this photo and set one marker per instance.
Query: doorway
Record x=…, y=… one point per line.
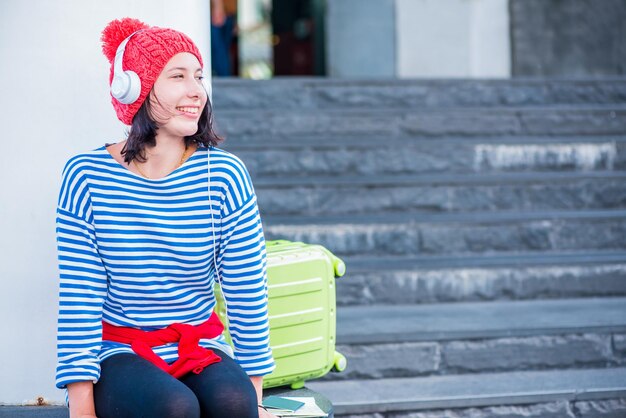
x=298, y=37
x=279, y=38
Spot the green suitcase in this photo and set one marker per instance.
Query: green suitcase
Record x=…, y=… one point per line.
x=302, y=312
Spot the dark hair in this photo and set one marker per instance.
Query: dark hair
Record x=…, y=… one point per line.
x=143, y=133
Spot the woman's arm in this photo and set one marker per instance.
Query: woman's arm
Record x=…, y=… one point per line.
x=81, y=400
x=82, y=281
x=257, y=381
x=242, y=269
x=241, y=263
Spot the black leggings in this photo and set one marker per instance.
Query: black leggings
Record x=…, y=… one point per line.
x=132, y=387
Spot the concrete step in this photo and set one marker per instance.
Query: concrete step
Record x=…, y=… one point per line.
x=402, y=123
x=363, y=194
x=547, y=394
x=312, y=93
x=57, y=411
x=479, y=320
x=301, y=157
x=44, y=411
x=477, y=337
x=409, y=234
x=433, y=279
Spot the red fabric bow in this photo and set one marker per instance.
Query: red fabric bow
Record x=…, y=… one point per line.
x=191, y=357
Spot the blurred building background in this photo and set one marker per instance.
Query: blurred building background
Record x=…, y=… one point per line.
x=430, y=38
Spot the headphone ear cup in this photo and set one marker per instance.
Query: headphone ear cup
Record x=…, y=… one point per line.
x=126, y=87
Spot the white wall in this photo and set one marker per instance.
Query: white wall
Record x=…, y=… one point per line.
x=452, y=38
x=54, y=103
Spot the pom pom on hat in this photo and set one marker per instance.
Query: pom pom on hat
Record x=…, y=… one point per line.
x=116, y=31
x=146, y=53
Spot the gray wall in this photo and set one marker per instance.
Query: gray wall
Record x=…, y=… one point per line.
x=476, y=38
x=360, y=38
x=417, y=38
x=568, y=37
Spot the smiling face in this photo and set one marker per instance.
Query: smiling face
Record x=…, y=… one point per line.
x=178, y=97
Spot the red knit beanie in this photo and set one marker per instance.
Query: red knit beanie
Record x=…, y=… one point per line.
x=146, y=53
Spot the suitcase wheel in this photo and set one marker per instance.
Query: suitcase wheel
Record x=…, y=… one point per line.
x=340, y=267
x=340, y=363
x=297, y=385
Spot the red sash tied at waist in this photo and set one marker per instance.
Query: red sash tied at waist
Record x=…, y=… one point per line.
x=191, y=357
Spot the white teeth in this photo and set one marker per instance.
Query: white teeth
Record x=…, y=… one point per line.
x=193, y=110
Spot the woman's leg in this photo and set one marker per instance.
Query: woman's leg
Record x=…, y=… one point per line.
x=224, y=390
x=132, y=387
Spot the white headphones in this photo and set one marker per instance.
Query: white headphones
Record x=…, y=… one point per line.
x=126, y=85
x=218, y=276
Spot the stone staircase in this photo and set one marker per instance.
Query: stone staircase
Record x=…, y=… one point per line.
x=483, y=224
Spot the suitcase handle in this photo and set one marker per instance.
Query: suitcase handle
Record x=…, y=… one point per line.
x=274, y=242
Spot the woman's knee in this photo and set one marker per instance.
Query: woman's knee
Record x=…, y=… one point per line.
x=235, y=402
x=181, y=404
x=170, y=404
x=224, y=390
x=133, y=387
x=226, y=397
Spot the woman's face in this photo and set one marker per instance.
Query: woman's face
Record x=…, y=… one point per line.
x=178, y=96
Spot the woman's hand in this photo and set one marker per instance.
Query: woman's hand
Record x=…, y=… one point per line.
x=263, y=413
x=257, y=382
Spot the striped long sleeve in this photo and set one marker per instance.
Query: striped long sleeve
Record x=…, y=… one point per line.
x=242, y=267
x=139, y=252
x=83, y=284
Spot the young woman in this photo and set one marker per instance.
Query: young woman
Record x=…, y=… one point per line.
x=145, y=227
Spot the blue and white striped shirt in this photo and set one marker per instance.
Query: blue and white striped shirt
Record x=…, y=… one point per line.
x=139, y=253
